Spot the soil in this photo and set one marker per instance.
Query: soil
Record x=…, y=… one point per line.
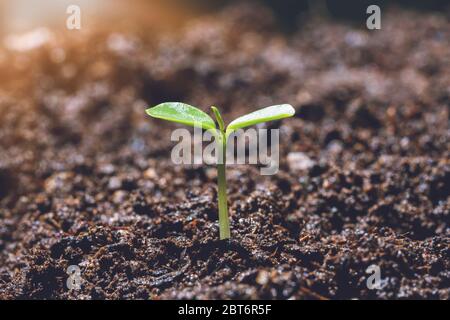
x=86, y=177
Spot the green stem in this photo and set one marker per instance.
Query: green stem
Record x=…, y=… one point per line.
x=224, y=223
x=221, y=139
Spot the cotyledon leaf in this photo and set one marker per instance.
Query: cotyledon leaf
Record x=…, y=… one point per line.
x=182, y=113
x=262, y=115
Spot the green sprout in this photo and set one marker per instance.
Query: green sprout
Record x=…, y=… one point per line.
x=192, y=116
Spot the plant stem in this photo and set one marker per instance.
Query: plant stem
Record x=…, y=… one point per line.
x=224, y=223
x=221, y=139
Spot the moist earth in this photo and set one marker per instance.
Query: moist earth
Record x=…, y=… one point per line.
x=86, y=177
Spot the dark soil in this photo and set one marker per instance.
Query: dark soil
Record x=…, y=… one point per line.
x=86, y=177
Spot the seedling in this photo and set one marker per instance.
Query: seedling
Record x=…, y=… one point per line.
x=189, y=115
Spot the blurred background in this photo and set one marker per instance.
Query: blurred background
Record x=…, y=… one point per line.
x=21, y=15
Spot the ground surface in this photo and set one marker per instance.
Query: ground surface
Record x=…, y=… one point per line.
x=86, y=176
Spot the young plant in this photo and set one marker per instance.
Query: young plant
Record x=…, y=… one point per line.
x=189, y=115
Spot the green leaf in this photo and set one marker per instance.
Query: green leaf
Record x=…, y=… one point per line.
x=263, y=115
x=182, y=113
x=218, y=118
